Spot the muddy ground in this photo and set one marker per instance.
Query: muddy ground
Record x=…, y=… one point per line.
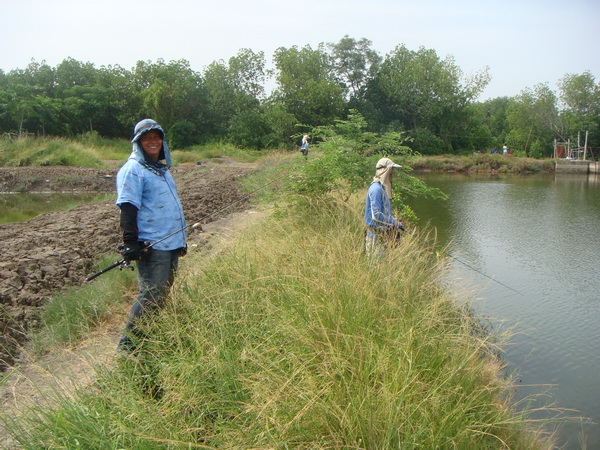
x=56, y=250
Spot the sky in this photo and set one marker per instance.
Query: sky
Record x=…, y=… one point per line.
x=523, y=43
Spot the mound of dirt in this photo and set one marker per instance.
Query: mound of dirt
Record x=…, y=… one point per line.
x=56, y=250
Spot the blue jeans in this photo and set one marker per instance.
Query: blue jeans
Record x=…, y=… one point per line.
x=156, y=272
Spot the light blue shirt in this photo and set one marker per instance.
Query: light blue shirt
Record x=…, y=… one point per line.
x=155, y=195
x=378, y=210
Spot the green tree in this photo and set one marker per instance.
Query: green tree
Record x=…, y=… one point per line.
x=491, y=114
x=71, y=73
x=348, y=157
x=307, y=86
x=418, y=90
x=169, y=92
x=355, y=64
x=248, y=75
x=580, y=97
x=534, y=121
x=222, y=100
x=123, y=101
x=182, y=134
x=281, y=123
x=21, y=107
x=86, y=108
x=25, y=107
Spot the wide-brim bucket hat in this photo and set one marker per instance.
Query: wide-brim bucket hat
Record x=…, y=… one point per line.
x=144, y=126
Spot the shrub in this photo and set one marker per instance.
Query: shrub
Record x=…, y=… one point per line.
x=182, y=134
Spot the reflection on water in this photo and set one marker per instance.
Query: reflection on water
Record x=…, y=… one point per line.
x=538, y=235
x=22, y=207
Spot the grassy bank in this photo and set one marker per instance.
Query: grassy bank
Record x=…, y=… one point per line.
x=484, y=163
x=292, y=338
x=92, y=151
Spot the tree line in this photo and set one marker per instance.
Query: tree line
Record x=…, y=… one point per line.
x=417, y=93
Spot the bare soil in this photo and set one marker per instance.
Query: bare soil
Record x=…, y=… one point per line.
x=56, y=250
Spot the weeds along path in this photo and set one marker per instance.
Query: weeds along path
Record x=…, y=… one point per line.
x=42, y=381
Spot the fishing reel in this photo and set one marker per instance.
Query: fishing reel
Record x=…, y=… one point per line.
x=124, y=263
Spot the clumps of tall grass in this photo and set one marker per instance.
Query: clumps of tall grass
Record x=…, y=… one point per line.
x=73, y=313
x=481, y=164
x=105, y=148
x=294, y=338
x=266, y=184
x=213, y=150
x=55, y=152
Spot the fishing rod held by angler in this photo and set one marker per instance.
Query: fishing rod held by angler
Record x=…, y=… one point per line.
x=124, y=263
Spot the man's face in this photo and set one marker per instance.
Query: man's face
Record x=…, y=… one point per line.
x=151, y=142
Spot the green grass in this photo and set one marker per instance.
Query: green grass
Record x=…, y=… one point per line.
x=47, y=152
x=292, y=338
x=266, y=183
x=214, y=150
x=481, y=163
x=73, y=313
x=90, y=150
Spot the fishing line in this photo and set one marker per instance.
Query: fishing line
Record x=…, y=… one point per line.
x=123, y=263
x=481, y=273
x=229, y=205
x=450, y=255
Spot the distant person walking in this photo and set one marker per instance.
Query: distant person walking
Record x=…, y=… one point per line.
x=505, y=150
x=150, y=210
x=304, y=147
x=378, y=209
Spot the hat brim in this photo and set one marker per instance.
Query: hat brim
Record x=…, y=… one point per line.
x=145, y=130
x=397, y=166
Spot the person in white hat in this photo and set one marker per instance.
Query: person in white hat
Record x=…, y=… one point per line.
x=378, y=208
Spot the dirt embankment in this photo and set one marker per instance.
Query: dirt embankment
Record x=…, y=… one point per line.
x=56, y=250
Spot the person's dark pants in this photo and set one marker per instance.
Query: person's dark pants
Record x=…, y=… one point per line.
x=156, y=272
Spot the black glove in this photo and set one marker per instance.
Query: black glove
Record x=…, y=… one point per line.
x=131, y=251
x=183, y=251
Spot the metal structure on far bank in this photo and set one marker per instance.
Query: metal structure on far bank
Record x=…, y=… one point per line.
x=563, y=150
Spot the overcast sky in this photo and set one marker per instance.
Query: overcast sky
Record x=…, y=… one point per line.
x=522, y=42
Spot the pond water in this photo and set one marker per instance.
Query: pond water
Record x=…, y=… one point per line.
x=22, y=207
x=533, y=244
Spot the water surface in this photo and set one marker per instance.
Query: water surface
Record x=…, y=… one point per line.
x=538, y=235
x=22, y=207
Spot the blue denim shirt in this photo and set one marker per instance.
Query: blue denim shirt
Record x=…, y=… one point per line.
x=152, y=190
x=378, y=210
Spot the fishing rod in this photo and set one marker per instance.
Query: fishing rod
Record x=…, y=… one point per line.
x=124, y=263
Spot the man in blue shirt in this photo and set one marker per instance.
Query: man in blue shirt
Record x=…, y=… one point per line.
x=150, y=210
x=378, y=208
